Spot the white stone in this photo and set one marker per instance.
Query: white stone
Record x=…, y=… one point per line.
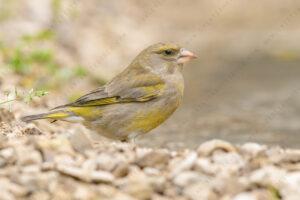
x=186, y=164
x=7, y=153
x=290, y=186
x=199, y=191
x=253, y=148
x=269, y=175
x=206, y=166
x=189, y=177
x=207, y=148
x=245, y=196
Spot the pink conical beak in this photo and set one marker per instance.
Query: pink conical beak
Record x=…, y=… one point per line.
x=185, y=56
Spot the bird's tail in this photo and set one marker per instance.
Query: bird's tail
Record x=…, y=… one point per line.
x=50, y=115
x=33, y=117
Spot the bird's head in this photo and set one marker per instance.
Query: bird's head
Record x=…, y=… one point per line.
x=165, y=56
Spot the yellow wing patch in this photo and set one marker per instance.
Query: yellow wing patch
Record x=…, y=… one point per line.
x=104, y=101
x=145, y=93
x=57, y=115
x=150, y=92
x=86, y=112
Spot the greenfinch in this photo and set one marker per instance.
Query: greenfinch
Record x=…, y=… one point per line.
x=134, y=102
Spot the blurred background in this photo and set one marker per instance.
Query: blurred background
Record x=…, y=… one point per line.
x=243, y=87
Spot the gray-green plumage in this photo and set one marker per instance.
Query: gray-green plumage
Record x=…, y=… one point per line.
x=137, y=100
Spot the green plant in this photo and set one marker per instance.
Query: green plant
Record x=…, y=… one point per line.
x=26, y=98
x=275, y=194
x=34, y=60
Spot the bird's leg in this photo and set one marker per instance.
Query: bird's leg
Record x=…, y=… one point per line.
x=132, y=140
x=124, y=140
x=128, y=140
x=132, y=137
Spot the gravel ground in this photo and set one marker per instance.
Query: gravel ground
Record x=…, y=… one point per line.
x=69, y=165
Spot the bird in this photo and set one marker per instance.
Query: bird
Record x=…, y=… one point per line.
x=135, y=101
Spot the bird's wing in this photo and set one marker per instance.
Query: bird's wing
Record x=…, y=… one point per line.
x=142, y=87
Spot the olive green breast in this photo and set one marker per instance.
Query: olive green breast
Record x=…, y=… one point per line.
x=156, y=112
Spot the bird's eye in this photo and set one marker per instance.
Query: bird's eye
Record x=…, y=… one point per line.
x=168, y=51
